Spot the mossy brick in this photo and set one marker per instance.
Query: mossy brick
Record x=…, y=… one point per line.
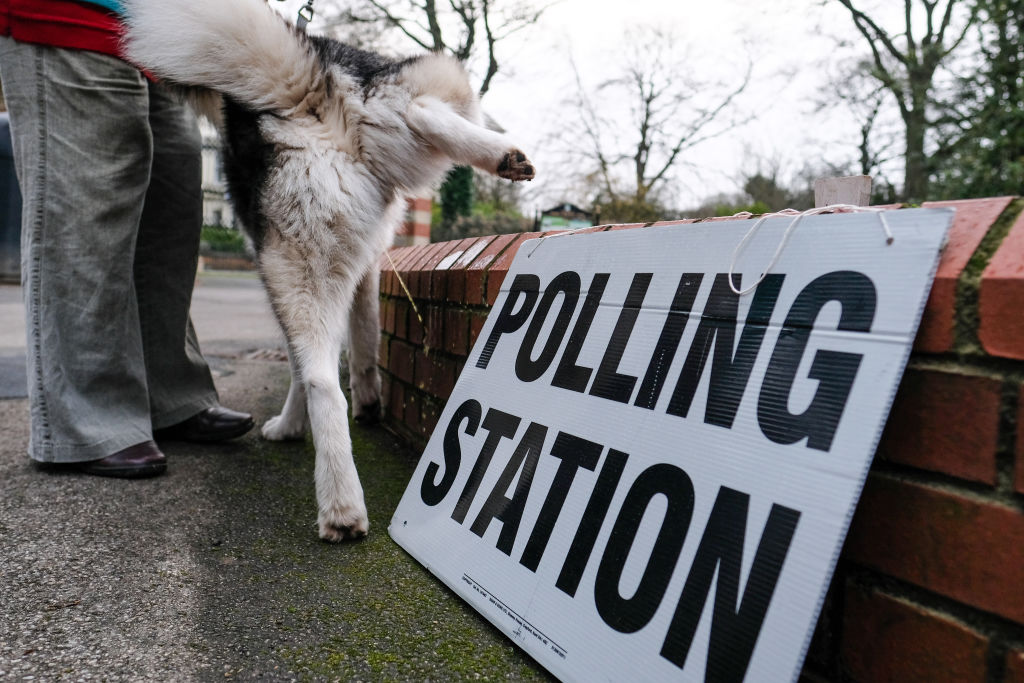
x=476, y=272
x=1001, y=298
x=430, y=413
x=957, y=545
x=889, y=639
x=971, y=222
x=945, y=422
x=412, y=417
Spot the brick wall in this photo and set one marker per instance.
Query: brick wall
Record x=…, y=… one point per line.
x=930, y=586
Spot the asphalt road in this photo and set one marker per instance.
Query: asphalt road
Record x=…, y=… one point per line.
x=214, y=571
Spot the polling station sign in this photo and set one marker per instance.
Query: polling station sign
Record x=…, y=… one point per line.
x=643, y=475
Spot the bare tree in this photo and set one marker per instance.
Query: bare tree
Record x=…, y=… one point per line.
x=906, y=64
x=463, y=28
x=670, y=111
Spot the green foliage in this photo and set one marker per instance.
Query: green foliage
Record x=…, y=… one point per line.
x=481, y=224
x=630, y=210
x=456, y=195
x=218, y=238
x=988, y=159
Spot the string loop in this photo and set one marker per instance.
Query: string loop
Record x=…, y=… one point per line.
x=797, y=217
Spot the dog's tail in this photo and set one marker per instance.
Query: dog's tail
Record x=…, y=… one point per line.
x=241, y=48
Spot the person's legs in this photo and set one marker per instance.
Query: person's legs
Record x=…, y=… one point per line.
x=80, y=123
x=166, y=256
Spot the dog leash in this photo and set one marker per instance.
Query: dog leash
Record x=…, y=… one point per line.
x=305, y=15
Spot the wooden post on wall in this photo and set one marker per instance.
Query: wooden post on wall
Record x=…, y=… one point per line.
x=854, y=190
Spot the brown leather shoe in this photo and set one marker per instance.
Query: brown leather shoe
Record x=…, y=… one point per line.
x=135, y=462
x=213, y=424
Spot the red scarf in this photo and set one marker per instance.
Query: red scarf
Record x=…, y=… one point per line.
x=61, y=23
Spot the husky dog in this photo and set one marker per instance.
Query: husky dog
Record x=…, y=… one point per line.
x=323, y=143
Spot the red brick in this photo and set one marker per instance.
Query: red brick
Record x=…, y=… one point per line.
x=960, y=547
x=401, y=306
x=401, y=361
x=412, y=418
x=499, y=268
x=887, y=639
x=457, y=277
x=416, y=332
x=396, y=401
x=1014, y=667
x=399, y=271
x=456, y=331
x=1001, y=299
x=1019, y=469
x=476, y=325
x=429, y=415
x=477, y=270
x=419, y=280
x=435, y=318
x=382, y=351
x=945, y=422
x=970, y=224
x=424, y=370
x=440, y=276
x=387, y=315
x=627, y=226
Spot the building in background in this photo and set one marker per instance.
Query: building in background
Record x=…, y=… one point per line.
x=565, y=217
x=216, y=207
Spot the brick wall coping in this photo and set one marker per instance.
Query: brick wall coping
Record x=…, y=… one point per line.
x=975, y=306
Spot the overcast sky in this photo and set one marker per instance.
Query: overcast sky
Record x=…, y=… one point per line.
x=788, y=42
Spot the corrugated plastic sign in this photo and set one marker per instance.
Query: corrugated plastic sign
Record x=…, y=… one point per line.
x=642, y=475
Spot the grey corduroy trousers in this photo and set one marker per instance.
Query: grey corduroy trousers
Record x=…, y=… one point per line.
x=110, y=172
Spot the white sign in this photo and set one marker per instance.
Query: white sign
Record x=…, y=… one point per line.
x=643, y=476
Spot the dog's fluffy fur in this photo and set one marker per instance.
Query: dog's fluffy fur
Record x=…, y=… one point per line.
x=323, y=142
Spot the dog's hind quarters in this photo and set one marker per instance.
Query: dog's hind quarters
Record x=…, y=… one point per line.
x=515, y=166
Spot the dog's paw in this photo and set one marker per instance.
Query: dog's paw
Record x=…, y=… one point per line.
x=279, y=429
x=343, y=523
x=515, y=166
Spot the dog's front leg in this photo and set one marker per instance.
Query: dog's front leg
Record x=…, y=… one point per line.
x=291, y=423
x=339, y=495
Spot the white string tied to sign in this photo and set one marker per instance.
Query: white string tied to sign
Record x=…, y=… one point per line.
x=797, y=217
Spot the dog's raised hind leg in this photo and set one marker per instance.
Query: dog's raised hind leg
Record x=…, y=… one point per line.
x=291, y=423
x=363, y=347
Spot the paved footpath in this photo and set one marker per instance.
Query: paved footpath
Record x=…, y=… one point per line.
x=214, y=571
